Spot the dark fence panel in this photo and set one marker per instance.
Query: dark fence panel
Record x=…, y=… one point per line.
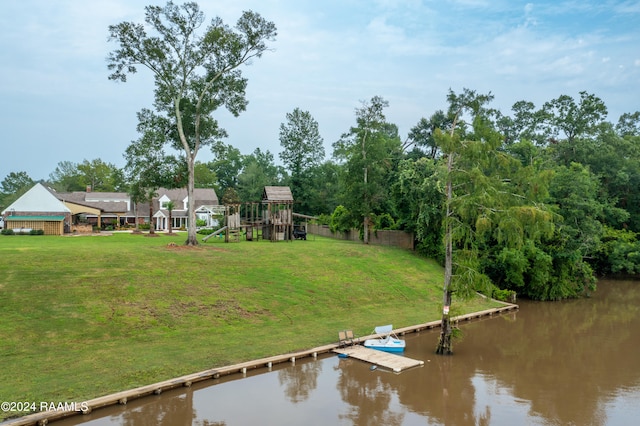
x=384, y=238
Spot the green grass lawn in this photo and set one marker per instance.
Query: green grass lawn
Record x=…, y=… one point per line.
x=82, y=317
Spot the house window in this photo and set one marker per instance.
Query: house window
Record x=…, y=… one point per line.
x=163, y=201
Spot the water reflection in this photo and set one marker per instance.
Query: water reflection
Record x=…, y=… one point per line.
x=300, y=382
x=574, y=362
x=368, y=396
x=174, y=410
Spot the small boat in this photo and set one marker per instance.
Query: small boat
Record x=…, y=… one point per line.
x=388, y=341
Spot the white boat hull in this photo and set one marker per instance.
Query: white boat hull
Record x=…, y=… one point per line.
x=388, y=345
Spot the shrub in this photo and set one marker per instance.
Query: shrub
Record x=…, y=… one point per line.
x=36, y=232
x=504, y=295
x=341, y=220
x=384, y=221
x=7, y=232
x=323, y=219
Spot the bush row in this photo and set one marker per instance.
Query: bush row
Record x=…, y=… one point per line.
x=31, y=232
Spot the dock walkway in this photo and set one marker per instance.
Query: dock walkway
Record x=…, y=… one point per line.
x=43, y=417
x=396, y=363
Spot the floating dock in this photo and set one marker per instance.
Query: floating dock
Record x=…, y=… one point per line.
x=395, y=363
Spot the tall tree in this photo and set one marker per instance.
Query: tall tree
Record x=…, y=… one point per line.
x=15, y=181
x=94, y=175
x=259, y=171
x=205, y=177
x=302, y=150
x=148, y=167
x=251, y=182
x=66, y=177
x=194, y=74
x=564, y=115
x=419, y=204
x=13, y=186
x=422, y=134
x=575, y=192
x=276, y=175
x=324, y=183
x=98, y=175
x=629, y=124
x=483, y=202
x=369, y=150
x=458, y=104
x=227, y=165
x=526, y=124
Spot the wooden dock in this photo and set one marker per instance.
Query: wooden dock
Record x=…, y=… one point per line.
x=43, y=417
x=393, y=362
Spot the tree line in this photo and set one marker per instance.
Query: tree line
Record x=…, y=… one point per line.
x=544, y=199
x=537, y=201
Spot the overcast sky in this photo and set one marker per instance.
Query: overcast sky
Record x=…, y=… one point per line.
x=56, y=103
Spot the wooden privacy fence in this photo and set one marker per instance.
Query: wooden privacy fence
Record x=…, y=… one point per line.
x=400, y=239
x=50, y=226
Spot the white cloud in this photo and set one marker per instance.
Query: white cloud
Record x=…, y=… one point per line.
x=327, y=57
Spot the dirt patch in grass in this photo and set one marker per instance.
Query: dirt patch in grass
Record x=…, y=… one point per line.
x=144, y=315
x=183, y=247
x=222, y=309
x=228, y=308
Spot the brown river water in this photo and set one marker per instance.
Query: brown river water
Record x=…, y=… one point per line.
x=574, y=362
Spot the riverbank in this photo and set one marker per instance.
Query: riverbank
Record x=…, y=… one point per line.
x=87, y=317
x=123, y=397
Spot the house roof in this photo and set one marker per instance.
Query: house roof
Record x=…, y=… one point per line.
x=38, y=199
x=41, y=199
x=106, y=196
x=202, y=196
x=277, y=193
x=107, y=202
x=94, y=196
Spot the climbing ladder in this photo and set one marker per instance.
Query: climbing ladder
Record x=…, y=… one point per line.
x=233, y=235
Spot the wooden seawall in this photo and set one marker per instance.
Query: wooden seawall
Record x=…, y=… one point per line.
x=43, y=418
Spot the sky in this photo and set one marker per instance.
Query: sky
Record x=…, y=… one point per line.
x=57, y=103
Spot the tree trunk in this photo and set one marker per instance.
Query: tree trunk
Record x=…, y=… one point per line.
x=151, y=226
x=444, y=344
x=365, y=226
x=136, y=228
x=192, y=239
x=190, y=156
